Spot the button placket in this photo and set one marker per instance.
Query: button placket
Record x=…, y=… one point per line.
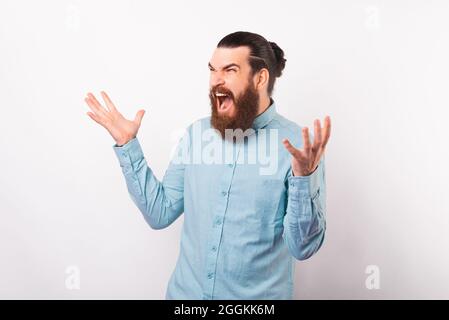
x=218, y=229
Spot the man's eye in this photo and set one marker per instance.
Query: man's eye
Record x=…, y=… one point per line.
x=231, y=70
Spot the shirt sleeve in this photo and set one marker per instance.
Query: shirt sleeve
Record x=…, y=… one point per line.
x=160, y=202
x=304, y=222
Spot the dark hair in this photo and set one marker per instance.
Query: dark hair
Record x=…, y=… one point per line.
x=263, y=54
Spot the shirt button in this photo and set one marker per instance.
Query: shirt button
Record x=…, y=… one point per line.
x=230, y=165
x=224, y=193
x=124, y=154
x=210, y=275
x=218, y=222
x=214, y=248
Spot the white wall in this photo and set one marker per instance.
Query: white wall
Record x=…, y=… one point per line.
x=379, y=68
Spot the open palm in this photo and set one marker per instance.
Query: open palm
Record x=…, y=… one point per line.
x=121, y=129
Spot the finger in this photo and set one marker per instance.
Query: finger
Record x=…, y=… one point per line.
x=317, y=158
x=293, y=151
x=97, y=104
x=326, y=131
x=94, y=117
x=306, y=140
x=94, y=107
x=317, y=138
x=139, y=116
x=108, y=101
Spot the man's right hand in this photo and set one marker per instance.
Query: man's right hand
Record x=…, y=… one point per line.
x=121, y=129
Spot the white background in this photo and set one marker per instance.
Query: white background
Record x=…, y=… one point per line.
x=380, y=69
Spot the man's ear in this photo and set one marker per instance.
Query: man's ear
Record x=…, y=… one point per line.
x=261, y=79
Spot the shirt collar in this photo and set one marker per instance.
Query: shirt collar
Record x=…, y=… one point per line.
x=265, y=117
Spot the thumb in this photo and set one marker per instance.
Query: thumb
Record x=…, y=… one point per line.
x=139, y=116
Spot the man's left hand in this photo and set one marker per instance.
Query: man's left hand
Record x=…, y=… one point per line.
x=306, y=160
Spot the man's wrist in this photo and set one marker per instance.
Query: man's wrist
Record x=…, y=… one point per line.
x=303, y=173
x=121, y=143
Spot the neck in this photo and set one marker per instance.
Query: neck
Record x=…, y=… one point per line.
x=264, y=103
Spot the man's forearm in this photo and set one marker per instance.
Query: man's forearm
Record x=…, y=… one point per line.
x=304, y=223
x=159, y=206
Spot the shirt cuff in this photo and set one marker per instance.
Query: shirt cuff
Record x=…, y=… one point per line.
x=129, y=152
x=305, y=186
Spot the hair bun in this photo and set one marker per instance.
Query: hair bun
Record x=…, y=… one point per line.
x=279, y=54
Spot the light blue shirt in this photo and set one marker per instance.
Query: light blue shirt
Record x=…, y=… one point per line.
x=245, y=221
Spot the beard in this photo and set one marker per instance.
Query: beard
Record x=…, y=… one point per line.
x=246, y=106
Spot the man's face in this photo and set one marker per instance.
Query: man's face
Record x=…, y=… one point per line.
x=232, y=92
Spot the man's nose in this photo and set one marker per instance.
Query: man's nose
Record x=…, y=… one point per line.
x=216, y=80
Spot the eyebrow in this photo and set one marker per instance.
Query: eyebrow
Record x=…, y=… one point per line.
x=226, y=66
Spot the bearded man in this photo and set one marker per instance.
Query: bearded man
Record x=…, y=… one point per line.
x=244, y=224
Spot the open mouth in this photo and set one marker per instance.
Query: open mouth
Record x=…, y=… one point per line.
x=224, y=101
